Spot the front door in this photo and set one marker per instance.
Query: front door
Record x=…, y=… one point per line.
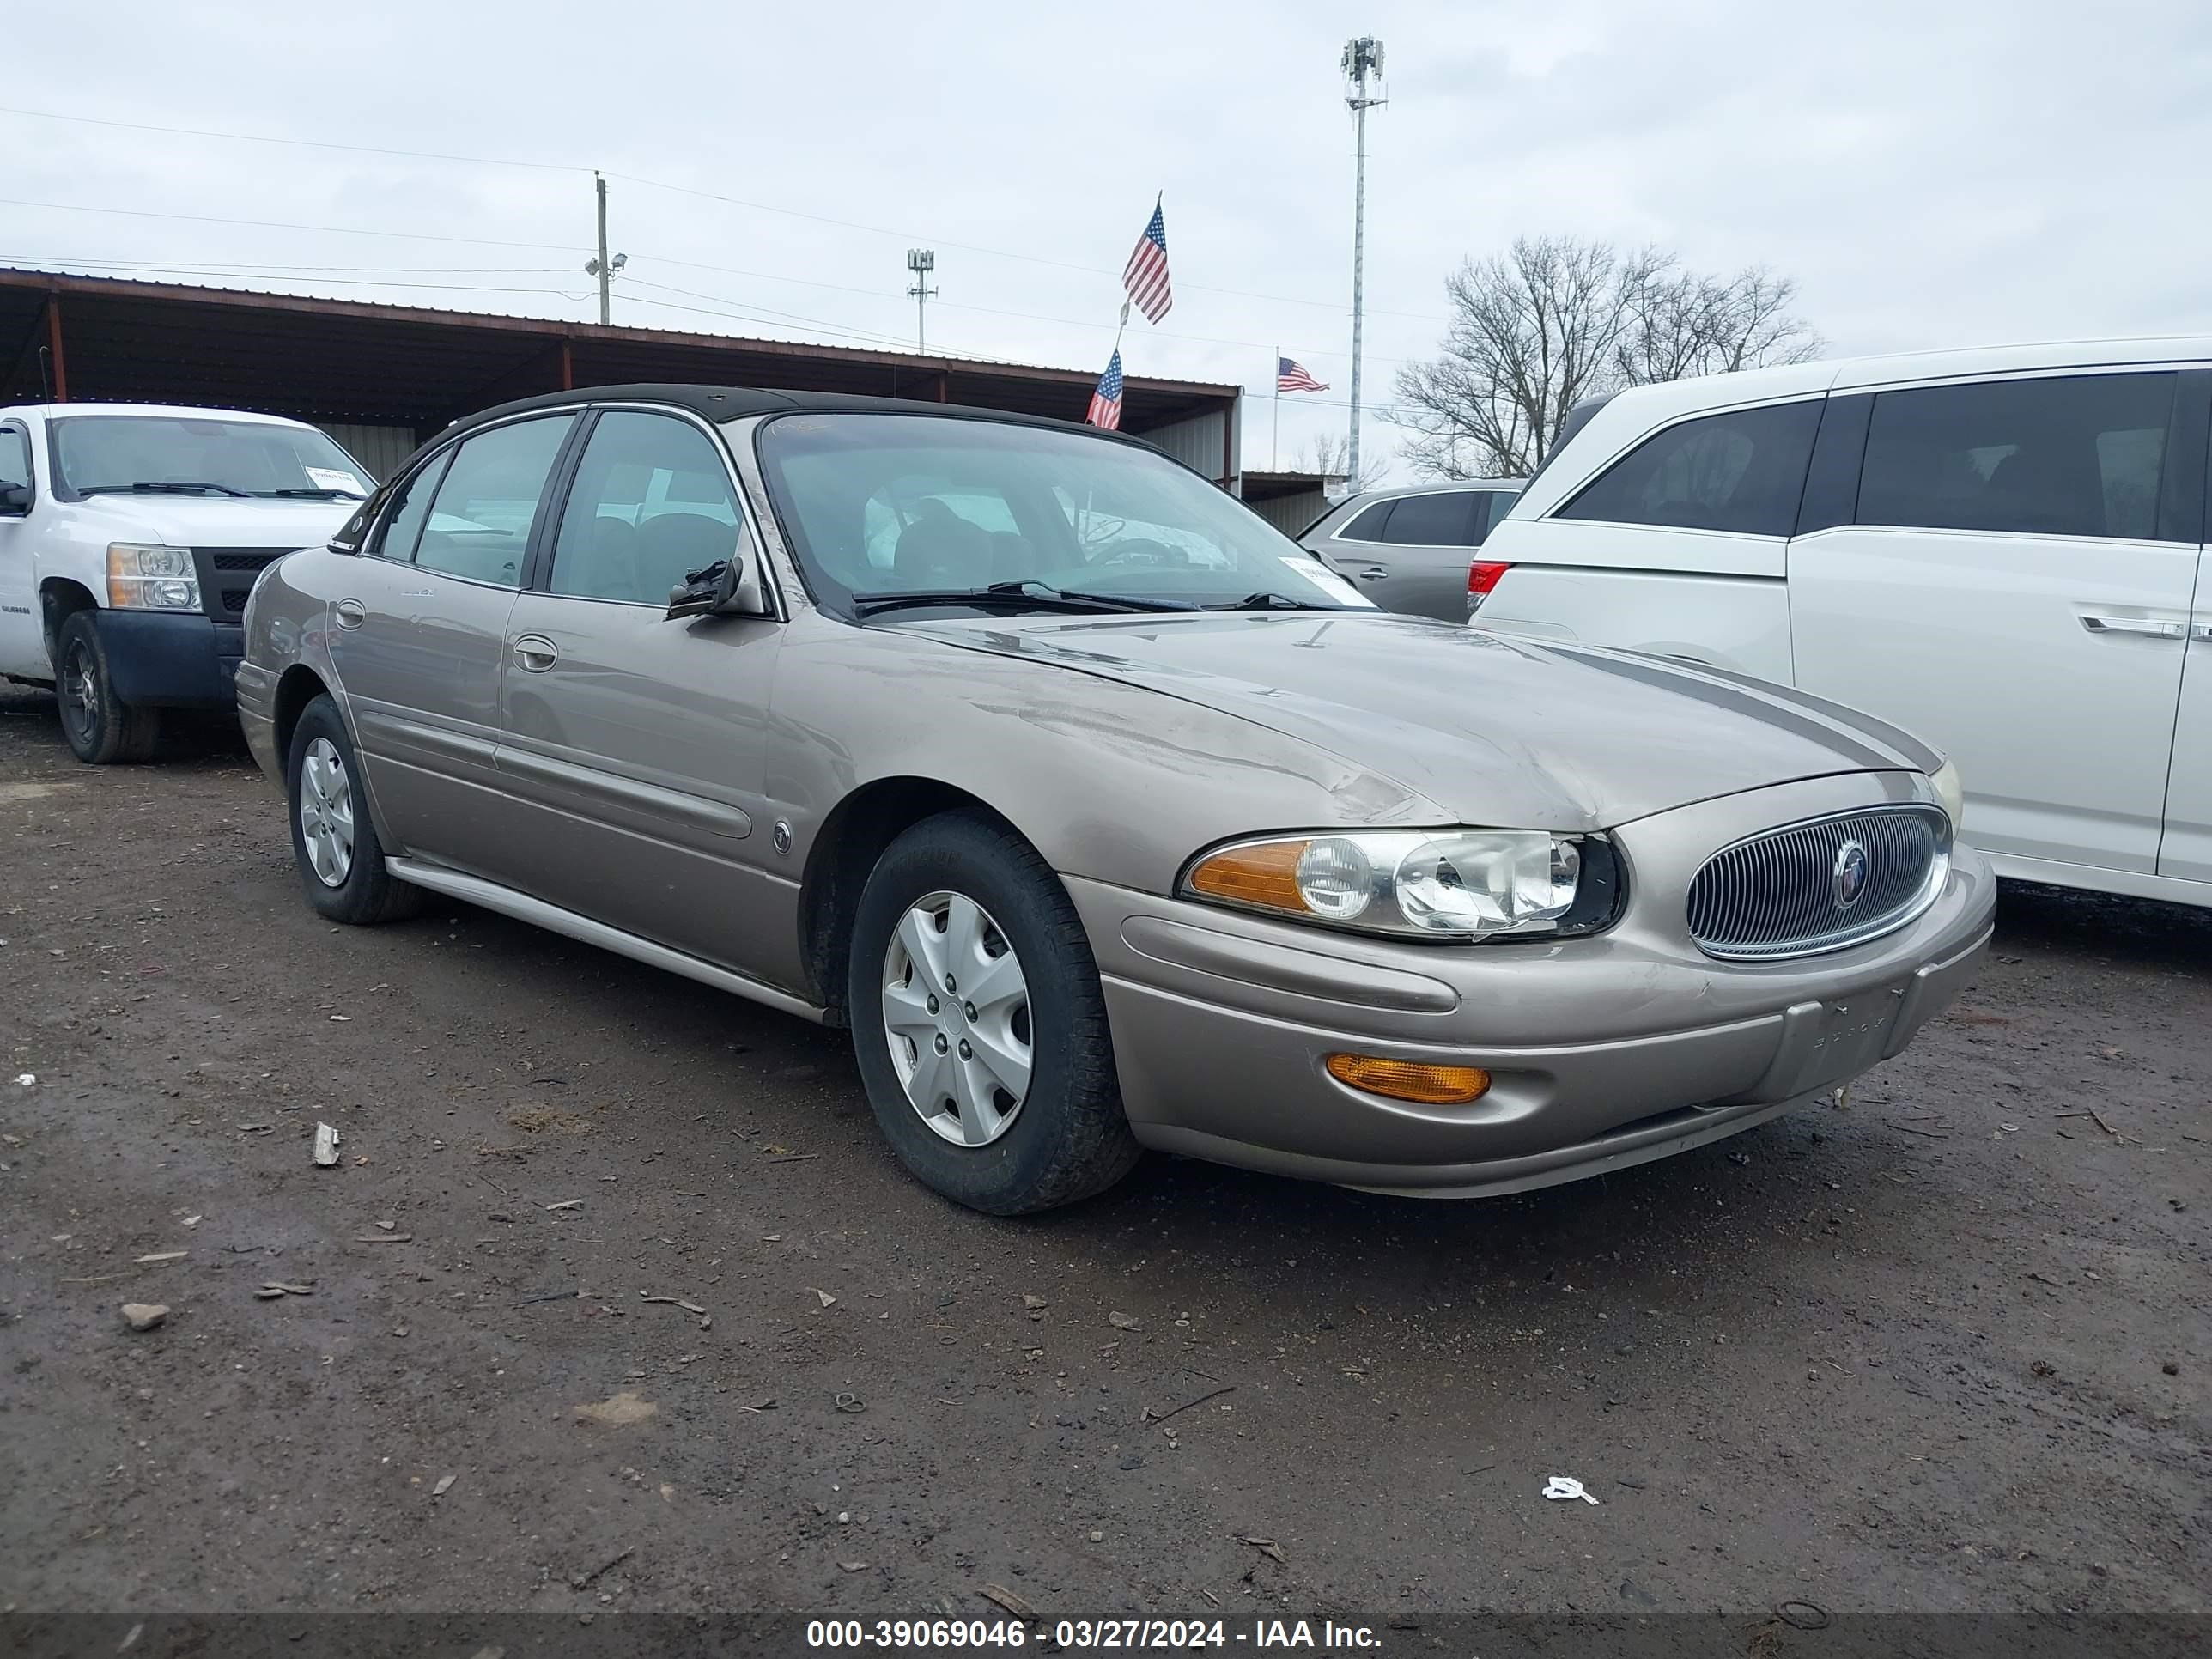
x=633, y=742
x=421, y=639
x=22, y=631
x=2014, y=587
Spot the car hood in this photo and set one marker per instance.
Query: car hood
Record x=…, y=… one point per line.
x=213, y=521
x=1495, y=730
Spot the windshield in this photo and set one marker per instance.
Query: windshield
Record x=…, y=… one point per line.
x=184, y=454
x=880, y=506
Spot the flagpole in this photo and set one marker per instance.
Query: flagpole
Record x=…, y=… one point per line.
x=1275, y=440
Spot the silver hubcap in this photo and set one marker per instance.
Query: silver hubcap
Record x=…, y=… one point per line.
x=326, y=813
x=956, y=1014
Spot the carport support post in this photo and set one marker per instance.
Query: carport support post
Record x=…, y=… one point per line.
x=60, y=392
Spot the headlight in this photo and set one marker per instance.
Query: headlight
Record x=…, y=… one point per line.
x=1422, y=883
x=1950, y=792
x=145, y=577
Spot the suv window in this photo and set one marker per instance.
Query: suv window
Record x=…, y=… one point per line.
x=15, y=456
x=1368, y=526
x=479, y=521
x=2072, y=455
x=651, y=502
x=1445, y=517
x=1742, y=470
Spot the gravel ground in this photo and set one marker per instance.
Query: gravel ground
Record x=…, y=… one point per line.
x=1945, y=1348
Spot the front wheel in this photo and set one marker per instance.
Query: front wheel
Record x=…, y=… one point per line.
x=333, y=840
x=980, y=1026
x=100, y=727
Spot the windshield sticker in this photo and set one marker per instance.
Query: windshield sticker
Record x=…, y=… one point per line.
x=326, y=477
x=1329, y=582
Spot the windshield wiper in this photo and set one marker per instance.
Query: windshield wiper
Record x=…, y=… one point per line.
x=1035, y=596
x=163, y=487
x=322, y=494
x=1272, y=602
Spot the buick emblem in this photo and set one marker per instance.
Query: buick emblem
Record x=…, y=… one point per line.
x=1851, y=874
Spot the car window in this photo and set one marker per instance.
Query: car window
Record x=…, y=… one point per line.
x=1490, y=507
x=651, y=502
x=1443, y=518
x=216, y=457
x=1742, y=470
x=1368, y=526
x=2071, y=455
x=900, y=501
x=479, y=522
x=410, y=509
x=15, y=456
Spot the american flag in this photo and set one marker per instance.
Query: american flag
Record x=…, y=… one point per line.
x=1147, y=275
x=1106, y=402
x=1291, y=375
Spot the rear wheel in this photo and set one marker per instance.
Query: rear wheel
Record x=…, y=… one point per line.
x=979, y=1024
x=100, y=727
x=333, y=840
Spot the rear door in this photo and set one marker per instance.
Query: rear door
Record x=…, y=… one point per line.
x=2010, y=580
x=633, y=744
x=421, y=637
x=1412, y=554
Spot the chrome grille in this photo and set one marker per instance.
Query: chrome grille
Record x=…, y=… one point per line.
x=1782, y=893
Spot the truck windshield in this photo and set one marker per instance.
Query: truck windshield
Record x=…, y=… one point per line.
x=888, y=512
x=182, y=454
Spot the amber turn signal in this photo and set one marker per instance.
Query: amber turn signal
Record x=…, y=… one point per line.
x=1264, y=873
x=1409, y=1079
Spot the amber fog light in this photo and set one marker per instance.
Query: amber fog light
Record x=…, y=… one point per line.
x=1409, y=1079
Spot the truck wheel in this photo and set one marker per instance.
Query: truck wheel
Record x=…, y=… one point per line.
x=979, y=1024
x=333, y=840
x=101, y=729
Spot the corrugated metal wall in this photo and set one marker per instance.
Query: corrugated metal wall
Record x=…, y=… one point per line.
x=1292, y=514
x=1195, y=441
x=380, y=448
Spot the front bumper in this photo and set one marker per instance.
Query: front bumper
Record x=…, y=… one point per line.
x=171, y=660
x=1604, y=1052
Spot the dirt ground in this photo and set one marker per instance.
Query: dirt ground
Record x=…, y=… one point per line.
x=1945, y=1348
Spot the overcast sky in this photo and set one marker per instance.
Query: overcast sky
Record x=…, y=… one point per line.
x=1940, y=173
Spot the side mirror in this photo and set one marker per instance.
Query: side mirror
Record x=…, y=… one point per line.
x=709, y=593
x=14, y=498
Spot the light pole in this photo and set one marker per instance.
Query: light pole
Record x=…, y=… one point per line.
x=603, y=267
x=921, y=261
x=1362, y=58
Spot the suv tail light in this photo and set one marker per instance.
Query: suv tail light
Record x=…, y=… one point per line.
x=1482, y=575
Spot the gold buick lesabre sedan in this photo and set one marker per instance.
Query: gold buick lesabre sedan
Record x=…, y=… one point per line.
x=1103, y=814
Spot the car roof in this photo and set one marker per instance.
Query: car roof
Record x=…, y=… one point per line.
x=1388, y=492
x=182, y=411
x=730, y=403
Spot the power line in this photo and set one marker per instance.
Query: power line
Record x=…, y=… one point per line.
x=304, y=143
x=280, y=224
x=661, y=184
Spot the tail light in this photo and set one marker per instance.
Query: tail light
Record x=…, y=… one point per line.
x=1482, y=575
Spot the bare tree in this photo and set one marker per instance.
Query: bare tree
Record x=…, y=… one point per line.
x=1555, y=321
x=1330, y=455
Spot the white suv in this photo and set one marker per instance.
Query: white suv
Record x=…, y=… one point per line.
x=2002, y=550
x=130, y=536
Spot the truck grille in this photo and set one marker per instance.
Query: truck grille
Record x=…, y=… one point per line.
x=227, y=576
x=1822, y=885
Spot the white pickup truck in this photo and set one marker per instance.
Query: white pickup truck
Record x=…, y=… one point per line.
x=130, y=535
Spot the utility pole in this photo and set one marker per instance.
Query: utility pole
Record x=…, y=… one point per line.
x=603, y=268
x=1361, y=57
x=921, y=261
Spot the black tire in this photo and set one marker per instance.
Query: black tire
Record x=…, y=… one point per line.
x=101, y=729
x=1069, y=1137
x=369, y=893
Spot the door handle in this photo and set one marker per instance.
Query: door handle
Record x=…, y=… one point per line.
x=2148, y=626
x=351, y=613
x=2201, y=631
x=1374, y=572
x=535, y=652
